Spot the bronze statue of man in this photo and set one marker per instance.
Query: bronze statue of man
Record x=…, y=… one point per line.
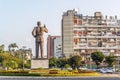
x=38, y=33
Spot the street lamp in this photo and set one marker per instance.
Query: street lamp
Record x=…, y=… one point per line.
x=90, y=62
x=118, y=62
x=23, y=51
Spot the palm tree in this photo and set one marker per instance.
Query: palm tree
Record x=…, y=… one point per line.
x=12, y=47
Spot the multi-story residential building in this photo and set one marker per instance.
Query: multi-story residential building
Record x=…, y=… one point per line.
x=54, y=46
x=57, y=47
x=86, y=34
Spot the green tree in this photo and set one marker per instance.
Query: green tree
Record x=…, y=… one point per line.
x=10, y=64
x=110, y=60
x=2, y=48
x=13, y=64
x=53, y=62
x=61, y=62
x=97, y=57
x=28, y=64
x=5, y=64
x=12, y=46
x=10, y=61
x=75, y=61
x=83, y=63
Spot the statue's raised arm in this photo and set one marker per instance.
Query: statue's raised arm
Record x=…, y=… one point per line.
x=45, y=29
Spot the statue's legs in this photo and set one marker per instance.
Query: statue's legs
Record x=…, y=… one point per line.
x=42, y=49
x=37, y=50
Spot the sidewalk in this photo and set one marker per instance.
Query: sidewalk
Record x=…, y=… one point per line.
x=110, y=75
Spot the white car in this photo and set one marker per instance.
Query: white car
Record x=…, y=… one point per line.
x=82, y=68
x=106, y=70
x=103, y=70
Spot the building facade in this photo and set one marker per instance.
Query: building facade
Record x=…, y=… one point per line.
x=54, y=46
x=86, y=34
x=57, y=47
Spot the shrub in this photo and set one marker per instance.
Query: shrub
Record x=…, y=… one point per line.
x=65, y=72
x=53, y=72
x=11, y=71
x=39, y=71
x=40, y=68
x=75, y=71
x=67, y=66
x=85, y=71
x=14, y=73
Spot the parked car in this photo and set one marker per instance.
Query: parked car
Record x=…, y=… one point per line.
x=82, y=68
x=106, y=70
x=96, y=70
x=103, y=70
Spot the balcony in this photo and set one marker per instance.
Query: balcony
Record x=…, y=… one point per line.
x=88, y=25
x=92, y=29
x=78, y=47
x=79, y=29
x=88, y=36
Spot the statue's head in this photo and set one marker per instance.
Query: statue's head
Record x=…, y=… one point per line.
x=38, y=23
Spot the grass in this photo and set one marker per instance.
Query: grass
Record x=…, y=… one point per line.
x=81, y=74
x=17, y=73
x=53, y=73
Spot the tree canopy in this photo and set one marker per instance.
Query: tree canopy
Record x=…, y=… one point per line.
x=9, y=61
x=2, y=48
x=12, y=46
x=97, y=57
x=13, y=62
x=53, y=62
x=110, y=60
x=75, y=61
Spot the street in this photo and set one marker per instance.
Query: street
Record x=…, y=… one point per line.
x=105, y=77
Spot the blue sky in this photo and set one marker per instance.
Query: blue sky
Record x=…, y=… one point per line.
x=18, y=17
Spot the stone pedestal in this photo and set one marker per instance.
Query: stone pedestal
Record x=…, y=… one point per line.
x=39, y=63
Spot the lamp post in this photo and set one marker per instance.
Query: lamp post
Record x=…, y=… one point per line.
x=118, y=62
x=23, y=60
x=23, y=52
x=90, y=62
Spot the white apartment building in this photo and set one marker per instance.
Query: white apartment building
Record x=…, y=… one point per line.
x=86, y=34
x=57, y=47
